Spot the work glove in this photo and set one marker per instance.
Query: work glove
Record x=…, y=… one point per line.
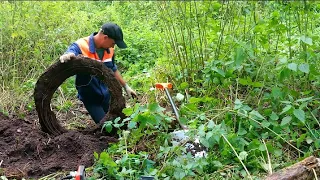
x=129, y=91
x=66, y=57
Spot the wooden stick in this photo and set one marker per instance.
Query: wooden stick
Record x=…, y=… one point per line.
x=306, y=169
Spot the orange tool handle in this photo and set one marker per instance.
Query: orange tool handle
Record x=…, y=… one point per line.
x=81, y=173
x=163, y=85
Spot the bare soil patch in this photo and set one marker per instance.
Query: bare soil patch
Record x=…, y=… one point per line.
x=38, y=144
x=26, y=151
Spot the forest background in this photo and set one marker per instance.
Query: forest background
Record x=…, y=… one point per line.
x=245, y=75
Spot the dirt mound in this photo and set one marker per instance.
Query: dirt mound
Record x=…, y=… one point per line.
x=26, y=151
x=32, y=151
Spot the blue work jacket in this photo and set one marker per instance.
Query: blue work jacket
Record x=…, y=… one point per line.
x=91, y=89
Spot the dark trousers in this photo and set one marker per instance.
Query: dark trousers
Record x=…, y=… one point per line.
x=97, y=110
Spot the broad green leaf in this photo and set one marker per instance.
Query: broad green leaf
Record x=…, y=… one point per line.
x=304, y=68
x=154, y=107
x=191, y=107
x=265, y=123
x=237, y=104
x=108, y=126
x=211, y=124
x=243, y=81
x=298, y=113
x=256, y=115
x=283, y=60
x=306, y=92
x=184, y=85
x=201, y=130
x=285, y=120
x=107, y=160
x=209, y=135
x=256, y=84
x=194, y=100
x=293, y=66
x=304, y=99
x=254, y=144
x=278, y=152
x=241, y=130
x=205, y=142
x=143, y=120
x=265, y=135
x=217, y=131
x=285, y=109
x=246, y=81
x=276, y=92
x=285, y=73
x=239, y=56
x=217, y=163
x=202, y=116
x=254, y=124
x=262, y=147
x=301, y=138
x=216, y=6
x=127, y=111
x=274, y=116
x=306, y=39
x=219, y=71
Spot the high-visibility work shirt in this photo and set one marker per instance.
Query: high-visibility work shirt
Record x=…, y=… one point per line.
x=90, y=88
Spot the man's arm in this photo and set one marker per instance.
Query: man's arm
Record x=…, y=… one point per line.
x=123, y=83
x=72, y=51
x=119, y=78
x=74, y=48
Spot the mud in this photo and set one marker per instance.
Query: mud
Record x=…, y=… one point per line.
x=26, y=151
x=38, y=144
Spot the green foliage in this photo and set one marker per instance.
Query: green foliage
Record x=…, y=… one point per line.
x=129, y=166
x=145, y=122
x=245, y=75
x=141, y=36
x=33, y=36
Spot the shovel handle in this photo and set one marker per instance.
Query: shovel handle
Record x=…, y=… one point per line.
x=167, y=86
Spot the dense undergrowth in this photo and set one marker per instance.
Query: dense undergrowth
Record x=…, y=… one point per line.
x=245, y=74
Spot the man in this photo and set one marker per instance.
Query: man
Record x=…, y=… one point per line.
x=98, y=46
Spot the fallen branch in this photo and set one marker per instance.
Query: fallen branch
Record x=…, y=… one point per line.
x=306, y=169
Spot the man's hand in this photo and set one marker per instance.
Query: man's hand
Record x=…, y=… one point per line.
x=130, y=92
x=66, y=57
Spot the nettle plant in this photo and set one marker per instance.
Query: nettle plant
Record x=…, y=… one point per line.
x=118, y=162
x=254, y=139
x=145, y=148
x=141, y=117
x=251, y=140
x=147, y=127
x=297, y=118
